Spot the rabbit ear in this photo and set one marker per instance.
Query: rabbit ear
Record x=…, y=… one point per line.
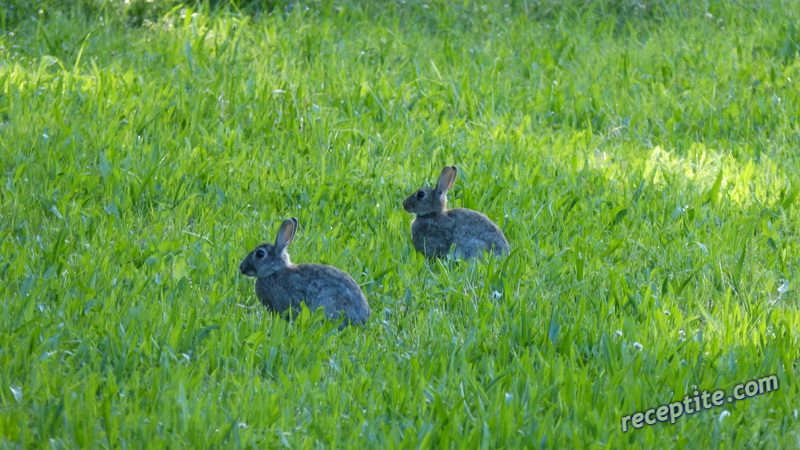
x=446, y=180
x=285, y=235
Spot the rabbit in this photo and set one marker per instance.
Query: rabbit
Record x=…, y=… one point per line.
x=281, y=286
x=436, y=229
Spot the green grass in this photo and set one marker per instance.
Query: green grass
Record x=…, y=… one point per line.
x=641, y=158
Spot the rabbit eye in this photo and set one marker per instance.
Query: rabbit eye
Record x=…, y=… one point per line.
x=420, y=194
x=260, y=253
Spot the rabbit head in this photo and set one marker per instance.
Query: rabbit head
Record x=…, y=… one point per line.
x=428, y=200
x=267, y=259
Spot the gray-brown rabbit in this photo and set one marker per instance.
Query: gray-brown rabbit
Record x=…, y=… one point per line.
x=281, y=285
x=436, y=229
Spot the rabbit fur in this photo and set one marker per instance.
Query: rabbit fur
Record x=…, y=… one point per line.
x=282, y=286
x=437, y=229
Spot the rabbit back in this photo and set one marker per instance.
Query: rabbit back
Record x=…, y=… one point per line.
x=469, y=231
x=476, y=233
x=319, y=286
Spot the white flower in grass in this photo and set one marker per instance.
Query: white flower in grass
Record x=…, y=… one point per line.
x=17, y=393
x=618, y=333
x=638, y=346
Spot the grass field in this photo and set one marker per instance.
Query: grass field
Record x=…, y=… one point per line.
x=641, y=157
